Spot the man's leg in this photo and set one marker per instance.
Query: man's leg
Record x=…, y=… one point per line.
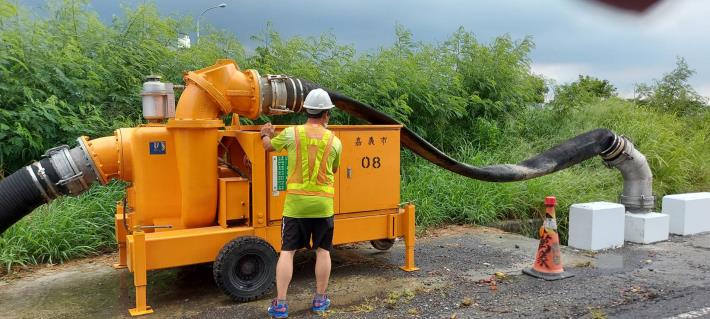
x=292, y=239
x=323, y=241
x=322, y=270
x=284, y=271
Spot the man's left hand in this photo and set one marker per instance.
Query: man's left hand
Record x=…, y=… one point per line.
x=268, y=129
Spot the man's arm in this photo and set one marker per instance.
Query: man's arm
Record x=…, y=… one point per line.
x=266, y=132
x=338, y=150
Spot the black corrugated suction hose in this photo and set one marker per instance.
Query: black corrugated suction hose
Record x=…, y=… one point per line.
x=62, y=171
x=19, y=195
x=561, y=156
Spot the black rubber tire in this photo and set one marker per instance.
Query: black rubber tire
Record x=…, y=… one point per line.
x=245, y=269
x=382, y=244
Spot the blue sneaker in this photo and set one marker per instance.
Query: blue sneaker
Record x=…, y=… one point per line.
x=278, y=309
x=320, y=304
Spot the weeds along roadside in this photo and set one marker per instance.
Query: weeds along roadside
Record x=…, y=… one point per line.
x=66, y=228
x=676, y=148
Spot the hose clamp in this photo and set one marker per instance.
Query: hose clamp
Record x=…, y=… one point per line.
x=296, y=100
x=618, y=153
x=641, y=203
x=37, y=184
x=616, y=147
x=53, y=193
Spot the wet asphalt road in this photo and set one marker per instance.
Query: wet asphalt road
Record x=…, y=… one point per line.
x=455, y=281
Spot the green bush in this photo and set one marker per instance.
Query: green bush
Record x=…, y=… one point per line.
x=38, y=125
x=67, y=74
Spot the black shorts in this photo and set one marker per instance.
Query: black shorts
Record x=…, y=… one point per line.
x=297, y=233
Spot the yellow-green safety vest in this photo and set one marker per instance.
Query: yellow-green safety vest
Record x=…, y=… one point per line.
x=310, y=175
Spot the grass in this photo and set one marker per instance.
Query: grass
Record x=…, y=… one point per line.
x=597, y=313
x=64, y=229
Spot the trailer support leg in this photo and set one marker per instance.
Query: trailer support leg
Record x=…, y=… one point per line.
x=409, y=233
x=120, y=237
x=140, y=275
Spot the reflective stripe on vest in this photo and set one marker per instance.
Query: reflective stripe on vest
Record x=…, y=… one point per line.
x=310, y=175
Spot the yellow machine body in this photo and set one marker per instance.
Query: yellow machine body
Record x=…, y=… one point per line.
x=183, y=205
x=189, y=229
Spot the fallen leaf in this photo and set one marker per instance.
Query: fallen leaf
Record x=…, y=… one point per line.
x=493, y=285
x=466, y=302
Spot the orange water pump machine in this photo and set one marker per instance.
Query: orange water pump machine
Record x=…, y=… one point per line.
x=200, y=191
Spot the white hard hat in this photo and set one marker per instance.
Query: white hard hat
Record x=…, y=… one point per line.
x=317, y=101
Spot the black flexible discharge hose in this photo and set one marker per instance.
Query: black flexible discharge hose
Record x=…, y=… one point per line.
x=559, y=157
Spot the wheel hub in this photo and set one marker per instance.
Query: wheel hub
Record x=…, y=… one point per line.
x=247, y=267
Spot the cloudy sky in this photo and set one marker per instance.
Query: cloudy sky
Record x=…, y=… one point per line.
x=572, y=36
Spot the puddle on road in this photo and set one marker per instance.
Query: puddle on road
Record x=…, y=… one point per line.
x=623, y=259
x=101, y=292
x=98, y=291
x=610, y=261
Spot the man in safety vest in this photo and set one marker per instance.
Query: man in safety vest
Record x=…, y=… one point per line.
x=313, y=158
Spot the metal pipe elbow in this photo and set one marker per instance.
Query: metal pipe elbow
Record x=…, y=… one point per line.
x=637, y=194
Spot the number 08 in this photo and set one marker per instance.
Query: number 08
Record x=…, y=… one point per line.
x=375, y=162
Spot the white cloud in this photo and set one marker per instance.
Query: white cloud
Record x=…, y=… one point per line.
x=560, y=72
x=704, y=89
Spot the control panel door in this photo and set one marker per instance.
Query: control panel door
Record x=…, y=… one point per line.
x=369, y=170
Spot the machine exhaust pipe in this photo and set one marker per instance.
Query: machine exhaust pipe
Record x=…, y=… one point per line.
x=62, y=171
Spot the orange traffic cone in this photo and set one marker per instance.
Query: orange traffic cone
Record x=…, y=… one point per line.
x=548, y=260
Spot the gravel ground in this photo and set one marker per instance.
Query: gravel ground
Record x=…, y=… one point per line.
x=457, y=280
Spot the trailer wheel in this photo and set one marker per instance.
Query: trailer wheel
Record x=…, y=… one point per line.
x=382, y=244
x=245, y=268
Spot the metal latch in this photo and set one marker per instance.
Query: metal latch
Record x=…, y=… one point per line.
x=152, y=227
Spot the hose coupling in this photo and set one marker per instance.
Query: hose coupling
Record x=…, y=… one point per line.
x=281, y=94
x=62, y=171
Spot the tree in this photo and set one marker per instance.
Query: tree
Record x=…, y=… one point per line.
x=577, y=94
x=672, y=93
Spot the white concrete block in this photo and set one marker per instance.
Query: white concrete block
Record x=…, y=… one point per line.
x=646, y=228
x=690, y=213
x=596, y=226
